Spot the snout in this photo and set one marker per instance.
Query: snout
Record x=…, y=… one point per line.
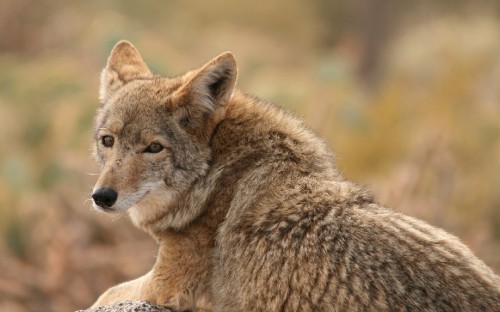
x=105, y=197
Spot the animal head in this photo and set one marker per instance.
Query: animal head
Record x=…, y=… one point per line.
x=152, y=133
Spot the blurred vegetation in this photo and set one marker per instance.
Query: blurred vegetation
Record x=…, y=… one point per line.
x=408, y=95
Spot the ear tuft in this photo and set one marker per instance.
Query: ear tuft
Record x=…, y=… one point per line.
x=124, y=64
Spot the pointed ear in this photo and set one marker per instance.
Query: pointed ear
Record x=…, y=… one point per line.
x=212, y=85
x=124, y=64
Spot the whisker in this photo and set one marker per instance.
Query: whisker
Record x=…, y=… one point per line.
x=89, y=203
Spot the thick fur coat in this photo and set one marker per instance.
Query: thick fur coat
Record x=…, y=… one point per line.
x=249, y=210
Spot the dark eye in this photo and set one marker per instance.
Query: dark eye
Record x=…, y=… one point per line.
x=108, y=141
x=154, y=148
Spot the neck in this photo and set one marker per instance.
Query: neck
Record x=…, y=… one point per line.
x=240, y=143
x=177, y=248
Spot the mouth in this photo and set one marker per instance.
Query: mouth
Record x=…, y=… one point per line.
x=121, y=204
x=104, y=209
x=108, y=201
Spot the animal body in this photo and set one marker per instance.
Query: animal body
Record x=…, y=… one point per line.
x=249, y=210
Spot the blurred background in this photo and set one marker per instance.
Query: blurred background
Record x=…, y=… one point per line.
x=406, y=94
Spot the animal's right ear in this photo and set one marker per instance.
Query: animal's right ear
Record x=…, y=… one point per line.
x=124, y=64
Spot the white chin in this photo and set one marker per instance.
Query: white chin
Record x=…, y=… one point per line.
x=115, y=208
x=152, y=206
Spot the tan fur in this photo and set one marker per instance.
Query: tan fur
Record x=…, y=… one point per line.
x=250, y=212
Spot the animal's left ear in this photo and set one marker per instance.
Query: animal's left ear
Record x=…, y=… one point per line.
x=210, y=87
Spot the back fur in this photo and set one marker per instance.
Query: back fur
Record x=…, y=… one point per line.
x=261, y=220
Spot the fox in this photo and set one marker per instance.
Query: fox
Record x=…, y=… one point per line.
x=250, y=211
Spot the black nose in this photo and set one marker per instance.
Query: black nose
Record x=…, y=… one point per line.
x=105, y=197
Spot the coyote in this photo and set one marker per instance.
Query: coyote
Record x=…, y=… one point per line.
x=249, y=211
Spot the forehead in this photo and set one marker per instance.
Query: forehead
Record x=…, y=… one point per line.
x=140, y=103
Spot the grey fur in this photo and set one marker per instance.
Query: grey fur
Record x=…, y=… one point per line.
x=274, y=224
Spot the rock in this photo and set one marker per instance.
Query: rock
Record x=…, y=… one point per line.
x=129, y=306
